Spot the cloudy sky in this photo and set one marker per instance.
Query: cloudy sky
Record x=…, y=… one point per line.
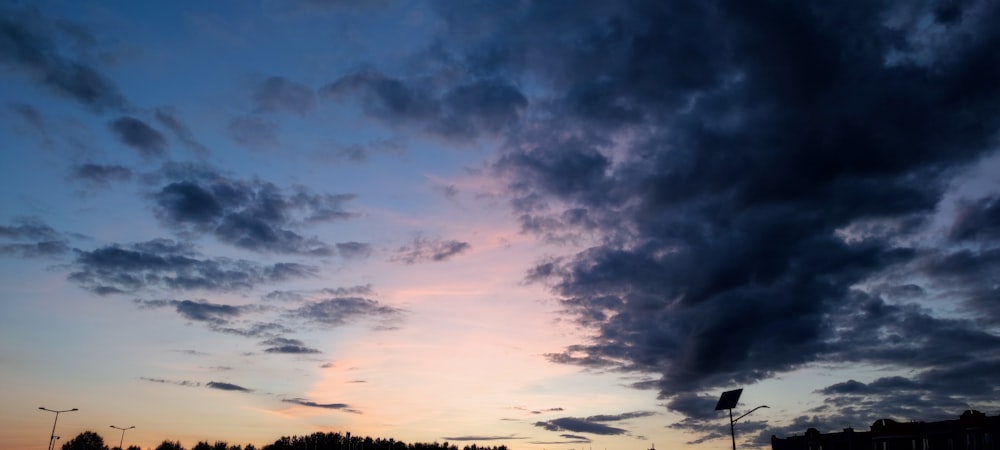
x=546, y=225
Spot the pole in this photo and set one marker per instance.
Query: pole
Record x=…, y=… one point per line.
x=732, y=427
x=732, y=422
x=52, y=436
x=123, y=434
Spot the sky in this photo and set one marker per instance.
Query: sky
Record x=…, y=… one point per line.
x=539, y=224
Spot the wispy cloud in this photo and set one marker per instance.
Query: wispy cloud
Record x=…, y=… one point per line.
x=43, y=240
x=34, y=51
x=435, y=250
x=482, y=438
x=227, y=386
x=335, y=406
x=339, y=311
x=288, y=346
x=139, y=135
x=171, y=265
x=592, y=424
x=276, y=94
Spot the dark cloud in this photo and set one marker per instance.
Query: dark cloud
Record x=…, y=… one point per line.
x=184, y=383
x=977, y=220
x=285, y=345
x=29, y=228
x=756, y=179
x=29, y=43
x=169, y=119
x=479, y=106
x=139, y=135
x=592, y=424
x=217, y=317
x=391, y=100
x=100, y=174
x=253, y=215
x=345, y=310
x=253, y=330
x=578, y=425
x=254, y=132
x=618, y=417
x=166, y=264
x=423, y=249
x=30, y=115
x=361, y=289
x=481, y=438
x=277, y=94
x=205, y=311
x=335, y=406
x=358, y=153
x=226, y=386
x=354, y=250
x=45, y=241
x=348, y=291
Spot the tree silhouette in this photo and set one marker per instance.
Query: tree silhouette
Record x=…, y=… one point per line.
x=88, y=440
x=168, y=445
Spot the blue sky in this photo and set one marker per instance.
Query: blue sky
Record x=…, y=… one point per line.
x=536, y=224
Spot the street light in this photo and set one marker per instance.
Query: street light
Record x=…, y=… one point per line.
x=123, y=434
x=52, y=437
x=728, y=401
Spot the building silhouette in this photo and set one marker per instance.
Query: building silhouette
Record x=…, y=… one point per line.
x=973, y=430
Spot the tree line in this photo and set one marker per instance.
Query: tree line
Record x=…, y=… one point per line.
x=89, y=440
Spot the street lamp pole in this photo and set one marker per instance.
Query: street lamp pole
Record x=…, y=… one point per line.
x=732, y=423
x=52, y=436
x=123, y=434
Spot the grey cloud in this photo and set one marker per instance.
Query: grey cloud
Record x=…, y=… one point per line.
x=47, y=242
x=139, y=135
x=169, y=119
x=481, y=438
x=354, y=250
x=344, y=291
x=289, y=346
x=578, y=425
x=254, y=215
x=205, y=311
x=618, y=417
x=389, y=99
x=254, y=132
x=35, y=250
x=573, y=439
x=977, y=220
x=227, y=386
x=29, y=228
x=343, y=310
x=360, y=152
x=335, y=406
x=30, y=115
x=423, y=249
x=254, y=330
x=100, y=174
x=217, y=317
x=184, y=383
x=170, y=265
x=281, y=94
x=29, y=43
x=479, y=106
